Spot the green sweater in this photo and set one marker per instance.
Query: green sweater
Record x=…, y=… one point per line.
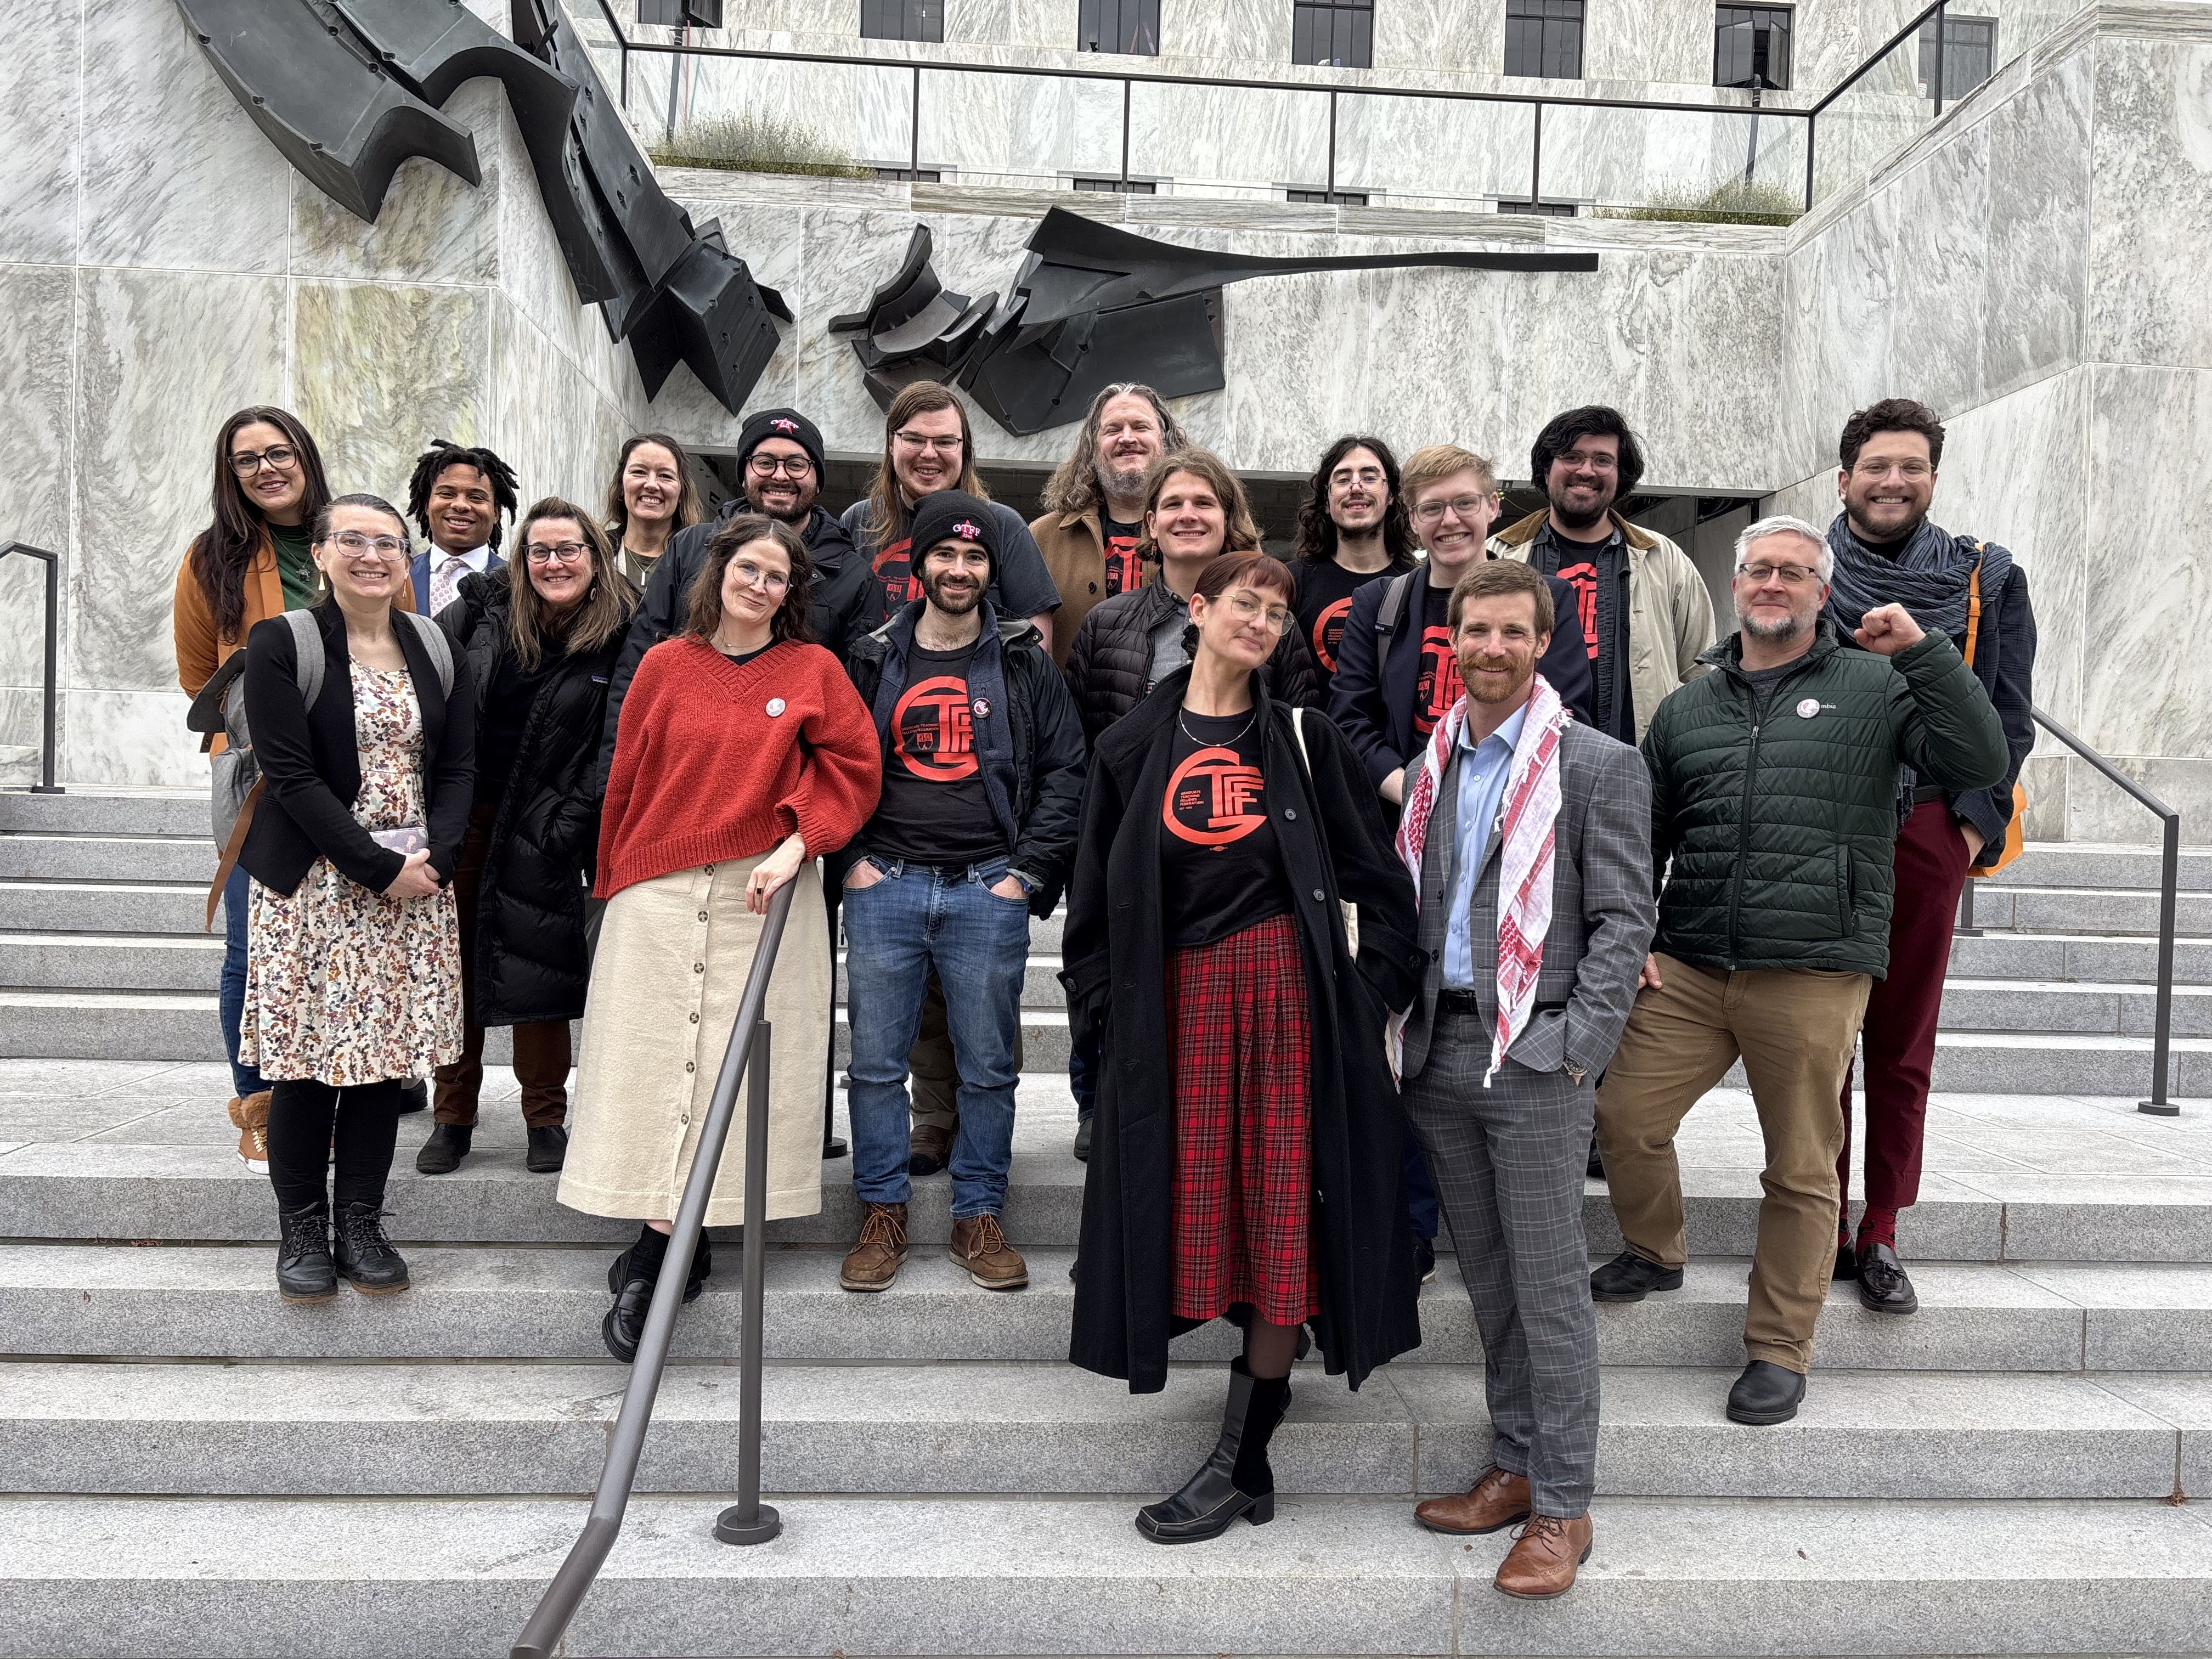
x=1781, y=830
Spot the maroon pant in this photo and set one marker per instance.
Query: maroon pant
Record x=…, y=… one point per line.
x=540, y=1050
x=1898, y=1036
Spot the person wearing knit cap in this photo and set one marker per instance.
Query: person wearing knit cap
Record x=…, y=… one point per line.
x=983, y=758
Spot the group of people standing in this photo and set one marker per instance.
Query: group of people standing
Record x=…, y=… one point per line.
x=1374, y=909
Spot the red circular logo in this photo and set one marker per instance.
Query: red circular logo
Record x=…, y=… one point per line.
x=934, y=731
x=1328, y=633
x=1122, y=566
x=1213, y=799
x=1438, y=686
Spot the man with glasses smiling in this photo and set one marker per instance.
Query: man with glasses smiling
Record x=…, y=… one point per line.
x=1774, y=795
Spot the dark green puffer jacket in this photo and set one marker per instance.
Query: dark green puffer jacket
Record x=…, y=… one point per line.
x=1782, y=831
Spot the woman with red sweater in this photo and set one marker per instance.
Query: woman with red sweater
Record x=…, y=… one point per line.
x=742, y=754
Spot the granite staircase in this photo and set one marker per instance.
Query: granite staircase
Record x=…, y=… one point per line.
x=193, y=1468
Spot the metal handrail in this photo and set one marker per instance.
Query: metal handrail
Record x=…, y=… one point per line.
x=46, y=786
x=2169, y=903
x=748, y=1521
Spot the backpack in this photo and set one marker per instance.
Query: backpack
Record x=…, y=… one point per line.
x=1387, y=618
x=1994, y=858
x=221, y=706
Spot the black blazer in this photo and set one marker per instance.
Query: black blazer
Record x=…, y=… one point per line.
x=313, y=765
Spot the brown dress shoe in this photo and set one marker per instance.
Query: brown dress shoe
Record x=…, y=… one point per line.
x=1497, y=1499
x=873, y=1260
x=982, y=1248
x=1545, y=1554
x=928, y=1149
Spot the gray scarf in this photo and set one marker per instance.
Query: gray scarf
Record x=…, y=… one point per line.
x=1930, y=577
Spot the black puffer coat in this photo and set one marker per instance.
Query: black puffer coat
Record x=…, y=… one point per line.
x=1109, y=667
x=531, y=960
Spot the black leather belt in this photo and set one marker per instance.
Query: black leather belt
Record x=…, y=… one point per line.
x=1458, y=1002
x=1926, y=792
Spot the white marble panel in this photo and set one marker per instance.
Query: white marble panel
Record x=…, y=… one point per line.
x=1415, y=37
x=37, y=382
x=135, y=739
x=1016, y=127
x=2152, y=216
x=1648, y=41
x=2037, y=310
x=1813, y=499
x=1033, y=23
x=550, y=423
x=2148, y=583
x=22, y=713
x=1442, y=152
x=41, y=89
x=174, y=172
x=163, y=358
x=1244, y=33
x=1940, y=209
x=379, y=370
x=434, y=227
x=1200, y=135
x=2099, y=811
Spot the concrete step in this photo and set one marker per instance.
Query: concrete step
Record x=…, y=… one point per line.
x=111, y=909
x=97, y=962
x=1330, y=1576
x=464, y=1431
x=2088, y=910
x=100, y=1190
x=2094, y=863
x=107, y=858
x=2035, y=1008
x=2077, y=956
x=497, y=1302
x=180, y=812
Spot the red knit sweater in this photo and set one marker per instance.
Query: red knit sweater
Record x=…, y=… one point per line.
x=714, y=760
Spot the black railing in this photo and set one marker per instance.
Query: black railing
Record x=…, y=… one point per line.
x=2161, y=1046
x=748, y=1521
x=46, y=786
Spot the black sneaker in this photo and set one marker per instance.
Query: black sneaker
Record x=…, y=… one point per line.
x=1424, y=1258
x=1083, y=1140
x=364, y=1256
x=304, y=1271
x=548, y=1149
x=1884, y=1285
x=1629, y=1278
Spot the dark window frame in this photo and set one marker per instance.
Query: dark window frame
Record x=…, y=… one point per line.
x=1121, y=27
x=1328, y=198
x=1545, y=39
x=921, y=20
x=1960, y=51
x=1332, y=33
x=1115, y=187
x=1776, y=20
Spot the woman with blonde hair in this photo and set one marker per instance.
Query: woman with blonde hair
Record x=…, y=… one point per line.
x=540, y=635
x=652, y=495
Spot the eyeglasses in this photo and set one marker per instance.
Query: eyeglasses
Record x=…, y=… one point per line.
x=1793, y=576
x=750, y=575
x=1465, y=508
x=1246, y=608
x=793, y=467
x=356, y=545
x=556, y=553
x=1370, y=476
x=1913, y=471
x=245, y=462
x=939, y=446
x=1582, y=458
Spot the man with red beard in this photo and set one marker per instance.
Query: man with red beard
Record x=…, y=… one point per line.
x=1094, y=504
x=1352, y=529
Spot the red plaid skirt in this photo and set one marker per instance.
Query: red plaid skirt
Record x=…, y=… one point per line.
x=1243, y=1117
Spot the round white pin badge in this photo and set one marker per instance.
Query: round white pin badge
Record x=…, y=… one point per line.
x=776, y=707
x=1806, y=709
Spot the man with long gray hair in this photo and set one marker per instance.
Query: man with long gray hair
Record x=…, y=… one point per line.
x=1774, y=794
x=1094, y=503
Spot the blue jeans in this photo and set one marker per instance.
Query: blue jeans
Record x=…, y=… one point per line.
x=231, y=999
x=912, y=921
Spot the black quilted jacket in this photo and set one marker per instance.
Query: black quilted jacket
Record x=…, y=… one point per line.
x=1783, y=827
x=1109, y=667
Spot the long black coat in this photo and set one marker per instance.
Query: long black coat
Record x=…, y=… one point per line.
x=531, y=960
x=1334, y=848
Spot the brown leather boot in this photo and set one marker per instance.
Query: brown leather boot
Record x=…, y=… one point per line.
x=250, y=1116
x=873, y=1260
x=928, y=1149
x=1497, y=1499
x=1545, y=1554
x=982, y=1248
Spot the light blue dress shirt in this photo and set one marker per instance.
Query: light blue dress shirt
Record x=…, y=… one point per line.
x=1482, y=771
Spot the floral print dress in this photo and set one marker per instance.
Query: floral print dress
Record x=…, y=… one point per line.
x=343, y=985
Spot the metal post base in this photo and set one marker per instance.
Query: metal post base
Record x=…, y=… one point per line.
x=731, y=1528
x=48, y=789
x=2158, y=1108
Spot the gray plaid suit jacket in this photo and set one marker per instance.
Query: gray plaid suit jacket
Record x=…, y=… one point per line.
x=1603, y=911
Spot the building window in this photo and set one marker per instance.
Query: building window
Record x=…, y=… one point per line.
x=1751, y=47
x=1970, y=53
x=1544, y=210
x=1339, y=33
x=1131, y=27
x=903, y=20
x=1544, y=37
x=1118, y=186
x=1341, y=198
x=908, y=176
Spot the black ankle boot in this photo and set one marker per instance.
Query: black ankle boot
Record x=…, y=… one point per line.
x=1235, y=1480
x=442, y=1152
x=365, y=1256
x=304, y=1271
x=632, y=1276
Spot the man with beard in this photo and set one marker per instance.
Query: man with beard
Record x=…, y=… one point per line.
x=1094, y=503
x=1352, y=529
x=1644, y=611
x=1774, y=794
x=1886, y=552
x=983, y=765
x=1527, y=835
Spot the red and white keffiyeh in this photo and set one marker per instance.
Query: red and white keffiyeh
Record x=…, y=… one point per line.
x=1529, y=810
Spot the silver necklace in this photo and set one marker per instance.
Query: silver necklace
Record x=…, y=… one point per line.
x=1228, y=742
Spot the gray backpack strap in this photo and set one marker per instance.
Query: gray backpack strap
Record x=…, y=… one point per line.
x=1386, y=618
x=306, y=654
x=438, y=643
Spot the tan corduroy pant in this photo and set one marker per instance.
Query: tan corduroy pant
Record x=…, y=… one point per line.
x=1794, y=1029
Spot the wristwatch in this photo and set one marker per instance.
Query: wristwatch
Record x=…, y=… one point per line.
x=1574, y=1071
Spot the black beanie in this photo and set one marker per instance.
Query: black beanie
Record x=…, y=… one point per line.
x=781, y=423
x=946, y=514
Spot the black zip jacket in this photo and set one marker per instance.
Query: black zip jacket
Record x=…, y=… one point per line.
x=1109, y=667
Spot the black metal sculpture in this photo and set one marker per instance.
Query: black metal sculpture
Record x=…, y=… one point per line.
x=1091, y=305
x=348, y=90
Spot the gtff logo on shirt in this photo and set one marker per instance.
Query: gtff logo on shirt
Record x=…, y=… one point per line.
x=1213, y=799
x=935, y=730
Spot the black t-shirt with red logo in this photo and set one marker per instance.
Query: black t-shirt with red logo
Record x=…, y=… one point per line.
x=1221, y=868
x=933, y=810
x=1436, y=684
x=1123, y=571
x=1325, y=590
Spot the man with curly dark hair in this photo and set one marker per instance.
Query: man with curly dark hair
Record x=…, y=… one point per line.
x=1352, y=529
x=457, y=494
